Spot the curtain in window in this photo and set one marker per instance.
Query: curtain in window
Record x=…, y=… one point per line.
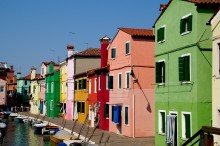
x=117, y=114
x=170, y=130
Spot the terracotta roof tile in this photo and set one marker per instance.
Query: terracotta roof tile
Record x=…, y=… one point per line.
x=28, y=77
x=205, y=1
x=90, y=52
x=134, y=32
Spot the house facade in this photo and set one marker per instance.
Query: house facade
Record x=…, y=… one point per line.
x=23, y=89
x=53, y=91
x=130, y=82
x=103, y=92
x=183, y=61
x=2, y=92
x=81, y=96
x=216, y=73
x=63, y=87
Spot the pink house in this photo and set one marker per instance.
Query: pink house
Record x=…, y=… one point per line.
x=130, y=83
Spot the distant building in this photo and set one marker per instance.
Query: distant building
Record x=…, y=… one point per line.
x=2, y=93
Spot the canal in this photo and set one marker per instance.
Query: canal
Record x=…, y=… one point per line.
x=21, y=134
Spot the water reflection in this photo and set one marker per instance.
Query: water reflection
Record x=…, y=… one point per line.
x=19, y=134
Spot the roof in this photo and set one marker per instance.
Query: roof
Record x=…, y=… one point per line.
x=134, y=32
x=90, y=52
x=205, y=1
x=163, y=7
x=28, y=77
x=47, y=63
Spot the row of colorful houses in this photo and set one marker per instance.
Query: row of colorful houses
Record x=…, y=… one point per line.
x=160, y=82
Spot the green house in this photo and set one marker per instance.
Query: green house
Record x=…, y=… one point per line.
x=183, y=58
x=53, y=91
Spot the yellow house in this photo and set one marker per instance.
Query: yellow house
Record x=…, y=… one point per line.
x=216, y=73
x=63, y=87
x=34, y=92
x=81, y=96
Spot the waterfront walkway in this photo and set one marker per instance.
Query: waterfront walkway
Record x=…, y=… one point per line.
x=114, y=140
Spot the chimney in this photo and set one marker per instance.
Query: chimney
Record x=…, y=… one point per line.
x=33, y=72
x=18, y=75
x=105, y=41
x=70, y=50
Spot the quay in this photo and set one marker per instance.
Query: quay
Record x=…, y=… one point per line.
x=114, y=140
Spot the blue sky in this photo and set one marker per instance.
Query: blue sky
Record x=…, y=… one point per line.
x=34, y=31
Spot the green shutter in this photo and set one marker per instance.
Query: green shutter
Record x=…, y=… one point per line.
x=187, y=68
x=128, y=80
x=110, y=82
x=162, y=33
x=187, y=125
x=164, y=70
x=158, y=72
x=119, y=80
x=181, y=26
x=190, y=23
x=126, y=115
x=127, y=51
x=113, y=52
x=181, y=78
x=106, y=111
x=163, y=121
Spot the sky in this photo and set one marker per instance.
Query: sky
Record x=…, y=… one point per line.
x=36, y=31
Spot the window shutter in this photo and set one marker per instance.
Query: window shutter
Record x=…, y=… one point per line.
x=163, y=122
x=158, y=35
x=190, y=23
x=78, y=107
x=83, y=107
x=162, y=33
x=181, y=26
x=113, y=52
x=127, y=48
x=187, y=68
x=126, y=115
x=110, y=82
x=106, y=111
x=113, y=113
x=164, y=70
x=181, y=69
x=187, y=125
x=158, y=72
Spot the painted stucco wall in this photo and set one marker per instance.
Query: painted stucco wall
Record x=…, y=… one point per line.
x=34, y=102
x=3, y=92
x=139, y=98
x=82, y=65
x=42, y=89
x=194, y=97
x=63, y=79
x=215, y=74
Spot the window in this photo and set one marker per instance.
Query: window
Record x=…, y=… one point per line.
x=80, y=84
x=186, y=125
x=52, y=87
x=83, y=84
x=113, y=113
x=51, y=105
x=184, y=68
x=106, y=111
x=99, y=82
x=110, y=82
x=1, y=88
x=81, y=107
x=25, y=92
x=161, y=121
x=160, y=72
x=34, y=90
x=95, y=85
x=78, y=107
x=25, y=82
x=126, y=115
x=186, y=24
x=90, y=84
x=127, y=48
x=113, y=53
x=161, y=34
x=42, y=70
x=127, y=80
x=119, y=81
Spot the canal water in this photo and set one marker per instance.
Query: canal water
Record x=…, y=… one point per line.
x=21, y=134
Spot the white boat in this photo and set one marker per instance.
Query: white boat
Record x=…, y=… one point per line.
x=13, y=115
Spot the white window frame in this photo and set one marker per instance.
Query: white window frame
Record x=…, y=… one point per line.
x=99, y=82
x=95, y=85
x=162, y=60
x=107, y=80
x=184, y=17
x=127, y=72
x=129, y=48
x=128, y=115
x=160, y=122
x=190, y=67
x=119, y=82
x=115, y=53
x=164, y=33
x=108, y=75
x=90, y=86
x=217, y=70
x=184, y=126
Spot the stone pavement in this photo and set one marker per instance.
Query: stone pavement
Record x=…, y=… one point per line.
x=114, y=140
